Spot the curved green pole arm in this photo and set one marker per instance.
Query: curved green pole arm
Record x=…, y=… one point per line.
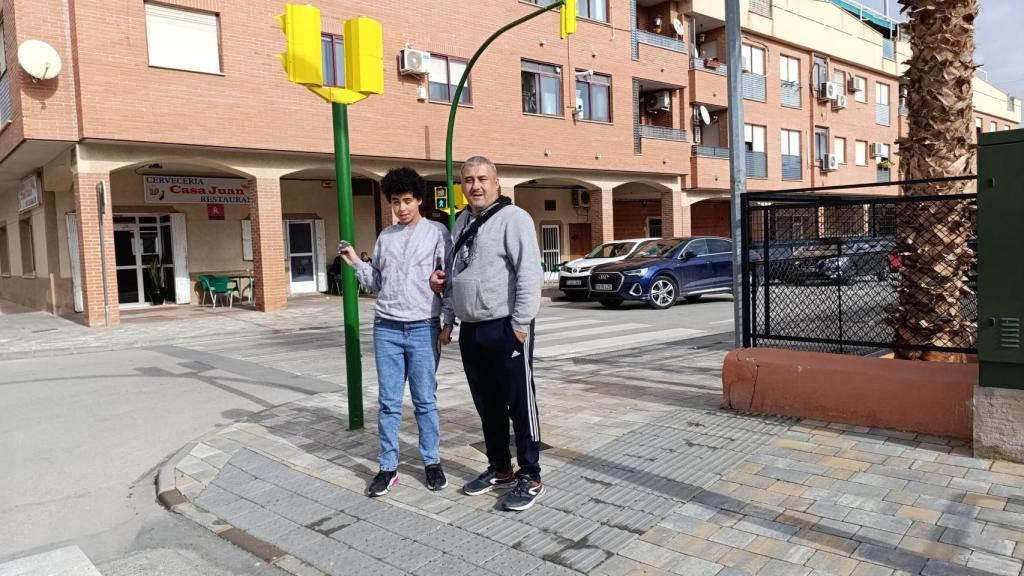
x=458, y=97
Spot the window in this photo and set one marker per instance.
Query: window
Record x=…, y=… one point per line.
x=5, y=254
x=550, y=206
x=1006, y=126
x=789, y=69
x=699, y=247
x=881, y=94
x=716, y=246
x=754, y=137
x=753, y=60
x=593, y=10
x=819, y=72
x=593, y=96
x=182, y=39
x=654, y=227
x=791, y=143
x=820, y=142
x=542, y=89
x=860, y=89
x=5, y=90
x=333, y=50
x=839, y=77
x=977, y=125
x=445, y=73
x=860, y=148
x=993, y=126
x=885, y=152
x=839, y=149
x=28, y=251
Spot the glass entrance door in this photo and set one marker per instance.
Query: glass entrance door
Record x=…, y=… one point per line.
x=302, y=264
x=138, y=242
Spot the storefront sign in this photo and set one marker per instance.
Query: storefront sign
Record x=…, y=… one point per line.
x=29, y=192
x=195, y=190
x=214, y=211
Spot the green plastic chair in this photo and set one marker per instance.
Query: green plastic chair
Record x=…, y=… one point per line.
x=218, y=285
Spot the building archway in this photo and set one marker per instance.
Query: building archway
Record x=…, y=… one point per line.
x=711, y=217
x=560, y=208
x=638, y=210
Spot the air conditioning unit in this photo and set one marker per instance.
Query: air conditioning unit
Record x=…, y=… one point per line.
x=828, y=91
x=851, y=85
x=840, y=102
x=415, y=61
x=580, y=198
x=659, y=101
x=830, y=163
x=876, y=150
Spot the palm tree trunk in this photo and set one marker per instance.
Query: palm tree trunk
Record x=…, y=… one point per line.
x=933, y=237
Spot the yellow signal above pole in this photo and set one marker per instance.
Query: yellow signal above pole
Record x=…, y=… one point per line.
x=568, y=23
x=302, y=58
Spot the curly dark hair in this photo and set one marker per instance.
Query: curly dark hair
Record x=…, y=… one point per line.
x=402, y=180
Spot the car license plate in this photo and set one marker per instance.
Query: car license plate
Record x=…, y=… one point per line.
x=574, y=282
x=602, y=286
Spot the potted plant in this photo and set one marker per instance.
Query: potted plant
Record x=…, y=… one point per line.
x=885, y=163
x=156, y=279
x=712, y=63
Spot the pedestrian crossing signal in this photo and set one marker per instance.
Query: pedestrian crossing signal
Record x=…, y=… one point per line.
x=441, y=198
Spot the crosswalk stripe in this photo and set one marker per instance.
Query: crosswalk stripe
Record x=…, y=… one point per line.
x=569, y=324
x=627, y=341
x=590, y=332
x=548, y=320
x=68, y=561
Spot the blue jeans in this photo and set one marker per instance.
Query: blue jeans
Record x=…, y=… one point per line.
x=406, y=350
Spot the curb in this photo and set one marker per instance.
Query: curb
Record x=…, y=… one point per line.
x=172, y=499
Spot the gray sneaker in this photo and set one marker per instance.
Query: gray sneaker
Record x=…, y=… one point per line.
x=526, y=492
x=488, y=481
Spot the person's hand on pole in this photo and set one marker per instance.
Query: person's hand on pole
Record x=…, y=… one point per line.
x=347, y=253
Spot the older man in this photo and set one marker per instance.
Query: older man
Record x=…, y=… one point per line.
x=493, y=280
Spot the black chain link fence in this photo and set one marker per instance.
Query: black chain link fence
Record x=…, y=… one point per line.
x=836, y=273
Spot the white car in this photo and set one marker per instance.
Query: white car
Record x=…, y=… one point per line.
x=574, y=276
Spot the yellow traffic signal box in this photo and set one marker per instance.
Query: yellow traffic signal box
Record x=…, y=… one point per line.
x=303, y=58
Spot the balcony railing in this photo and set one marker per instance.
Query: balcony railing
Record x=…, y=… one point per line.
x=754, y=87
x=698, y=64
x=881, y=174
x=762, y=7
x=904, y=111
x=790, y=94
x=5, y=100
x=882, y=114
x=792, y=167
x=662, y=133
x=711, y=151
x=665, y=42
x=757, y=164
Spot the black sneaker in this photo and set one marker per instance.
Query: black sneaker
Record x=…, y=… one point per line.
x=526, y=492
x=382, y=483
x=488, y=481
x=435, y=477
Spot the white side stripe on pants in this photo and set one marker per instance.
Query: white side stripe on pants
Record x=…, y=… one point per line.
x=530, y=400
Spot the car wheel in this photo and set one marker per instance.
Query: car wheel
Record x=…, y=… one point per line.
x=663, y=293
x=692, y=297
x=611, y=303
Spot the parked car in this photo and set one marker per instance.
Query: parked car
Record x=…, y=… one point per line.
x=573, y=278
x=836, y=261
x=661, y=271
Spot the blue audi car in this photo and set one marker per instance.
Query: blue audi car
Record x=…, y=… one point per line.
x=661, y=271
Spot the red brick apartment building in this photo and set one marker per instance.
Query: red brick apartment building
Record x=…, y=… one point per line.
x=619, y=131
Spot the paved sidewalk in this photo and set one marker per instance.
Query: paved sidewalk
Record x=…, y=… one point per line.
x=645, y=475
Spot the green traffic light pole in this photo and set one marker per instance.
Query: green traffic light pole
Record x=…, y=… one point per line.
x=458, y=97
x=349, y=285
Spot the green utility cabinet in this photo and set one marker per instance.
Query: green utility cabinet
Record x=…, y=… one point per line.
x=1001, y=258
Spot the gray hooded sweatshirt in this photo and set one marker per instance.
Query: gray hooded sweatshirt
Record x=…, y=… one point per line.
x=500, y=274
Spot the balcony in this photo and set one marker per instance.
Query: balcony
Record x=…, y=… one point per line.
x=762, y=7
x=790, y=94
x=710, y=152
x=904, y=111
x=882, y=175
x=754, y=87
x=888, y=49
x=882, y=114
x=698, y=64
x=792, y=167
x=645, y=37
x=662, y=133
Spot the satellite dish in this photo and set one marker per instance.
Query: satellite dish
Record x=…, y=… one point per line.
x=678, y=26
x=704, y=116
x=39, y=59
